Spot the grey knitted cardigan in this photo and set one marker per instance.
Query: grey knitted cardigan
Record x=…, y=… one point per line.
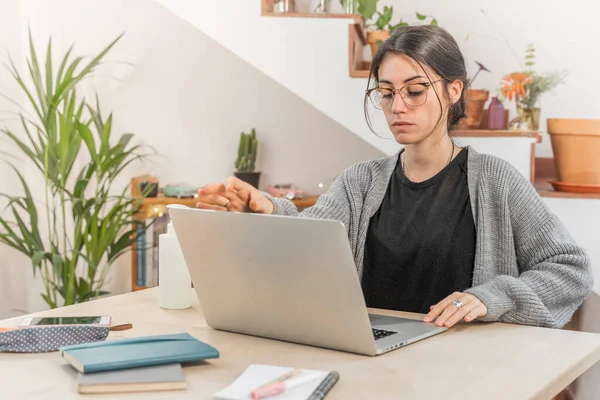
x=528, y=270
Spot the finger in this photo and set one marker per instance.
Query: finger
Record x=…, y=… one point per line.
x=441, y=306
x=239, y=186
x=259, y=203
x=447, y=313
x=479, y=311
x=213, y=188
x=452, y=310
x=461, y=313
x=205, y=206
x=213, y=199
x=235, y=202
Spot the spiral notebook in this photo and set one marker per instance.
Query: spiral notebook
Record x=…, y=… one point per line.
x=257, y=374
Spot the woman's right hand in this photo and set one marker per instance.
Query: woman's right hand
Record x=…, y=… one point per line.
x=236, y=195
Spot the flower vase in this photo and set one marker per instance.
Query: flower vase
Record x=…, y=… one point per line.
x=528, y=119
x=495, y=114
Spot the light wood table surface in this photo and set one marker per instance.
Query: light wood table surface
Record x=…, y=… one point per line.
x=470, y=361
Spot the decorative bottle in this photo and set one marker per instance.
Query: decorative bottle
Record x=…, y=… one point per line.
x=495, y=114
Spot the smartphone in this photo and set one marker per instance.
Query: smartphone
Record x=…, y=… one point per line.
x=56, y=321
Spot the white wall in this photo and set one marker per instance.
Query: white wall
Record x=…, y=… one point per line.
x=515, y=150
x=190, y=98
x=582, y=219
x=14, y=267
x=309, y=56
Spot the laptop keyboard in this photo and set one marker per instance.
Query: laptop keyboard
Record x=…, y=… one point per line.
x=381, y=333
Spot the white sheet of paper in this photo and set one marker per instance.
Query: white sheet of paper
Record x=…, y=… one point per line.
x=258, y=374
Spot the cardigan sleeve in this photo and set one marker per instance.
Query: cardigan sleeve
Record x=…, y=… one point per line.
x=334, y=204
x=554, y=272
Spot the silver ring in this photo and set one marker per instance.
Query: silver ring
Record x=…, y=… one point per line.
x=458, y=304
x=226, y=204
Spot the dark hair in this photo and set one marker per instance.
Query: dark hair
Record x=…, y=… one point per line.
x=431, y=46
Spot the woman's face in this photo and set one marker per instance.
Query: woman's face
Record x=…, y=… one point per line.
x=413, y=112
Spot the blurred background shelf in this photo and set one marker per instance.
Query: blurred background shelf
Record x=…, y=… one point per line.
x=144, y=252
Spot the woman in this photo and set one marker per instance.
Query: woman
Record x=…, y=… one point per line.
x=436, y=228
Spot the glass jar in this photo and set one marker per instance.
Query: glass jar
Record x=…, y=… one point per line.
x=350, y=6
x=284, y=6
x=528, y=119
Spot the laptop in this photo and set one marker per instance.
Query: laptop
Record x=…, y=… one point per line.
x=286, y=278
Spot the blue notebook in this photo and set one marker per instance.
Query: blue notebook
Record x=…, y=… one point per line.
x=137, y=352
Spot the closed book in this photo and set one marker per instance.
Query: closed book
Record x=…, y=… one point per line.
x=142, y=379
x=137, y=352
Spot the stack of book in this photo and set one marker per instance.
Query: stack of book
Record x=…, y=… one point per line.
x=147, y=363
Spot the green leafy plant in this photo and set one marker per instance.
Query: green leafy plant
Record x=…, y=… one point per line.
x=84, y=223
x=527, y=86
x=383, y=20
x=432, y=20
x=529, y=58
x=367, y=8
x=247, y=150
x=542, y=83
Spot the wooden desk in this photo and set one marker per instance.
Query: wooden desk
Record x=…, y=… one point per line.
x=476, y=361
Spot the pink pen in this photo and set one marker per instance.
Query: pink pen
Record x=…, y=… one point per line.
x=280, y=387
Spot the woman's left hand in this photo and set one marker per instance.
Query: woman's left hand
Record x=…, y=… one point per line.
x=456, y=307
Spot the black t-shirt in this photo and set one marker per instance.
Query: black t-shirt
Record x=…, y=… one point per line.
x=420, y=245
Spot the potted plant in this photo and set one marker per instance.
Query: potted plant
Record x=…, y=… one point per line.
x=526, y=87
x=380, y=28
x=246, y=159
x=475, y=100
x=85, y=221
x=576, y=146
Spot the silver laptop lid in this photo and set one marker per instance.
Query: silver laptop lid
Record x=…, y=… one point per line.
x=286, y=278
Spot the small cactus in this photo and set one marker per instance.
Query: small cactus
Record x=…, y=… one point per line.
x=246, y=159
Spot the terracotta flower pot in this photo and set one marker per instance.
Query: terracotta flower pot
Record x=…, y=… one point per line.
x=475, y=101
x=374, y=37
x=576, y=147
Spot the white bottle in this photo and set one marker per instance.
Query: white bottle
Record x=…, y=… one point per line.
x=174, y=282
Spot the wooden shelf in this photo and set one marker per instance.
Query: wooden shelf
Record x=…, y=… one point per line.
x=164, y=200
x=358, y=68
x=359, y=73
x=355, y=17
x=306, y=202
x=497, y=133
x=267, y=10
x=550, y=192
x=145, y=212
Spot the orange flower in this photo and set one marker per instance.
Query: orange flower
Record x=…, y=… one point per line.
x=513, y=85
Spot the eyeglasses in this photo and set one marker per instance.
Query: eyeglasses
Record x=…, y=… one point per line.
x=413, y=94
